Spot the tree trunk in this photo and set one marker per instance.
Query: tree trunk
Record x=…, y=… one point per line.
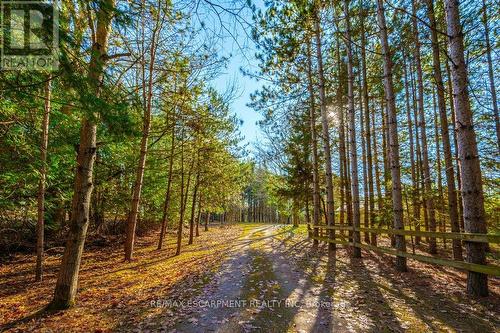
x=314, y=139
x=377, y=175
x=326, y=134
x=414, y=181
x=193, y=205
x=491, y=76
x=397, y=200
x=440, y=196
x=366, y=211
x=182, y=208
x=450, y=173
x=386, y=150
x=295, y=213
x=366, y=100
x=342, y=194
x=347, y=172
x=427, y=190
x=455, y=143
x=418, y=161
x=306, y=209
x=184, y=200
x=41, y=185
x=342, y=147
x=356, y=251
x=169, y=188
x=67, y=280
x=136, y=197
x=385, y=153
x=472, y=191
x=198, y=217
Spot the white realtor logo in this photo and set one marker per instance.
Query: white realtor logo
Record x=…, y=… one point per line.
x=17, y=29
x=30, y=38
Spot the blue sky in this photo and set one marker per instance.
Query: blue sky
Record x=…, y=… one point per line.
x=245, y=85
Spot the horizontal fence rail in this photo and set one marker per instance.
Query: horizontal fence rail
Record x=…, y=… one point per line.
x=467, y=237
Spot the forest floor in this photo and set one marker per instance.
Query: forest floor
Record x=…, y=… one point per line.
x=247, y=278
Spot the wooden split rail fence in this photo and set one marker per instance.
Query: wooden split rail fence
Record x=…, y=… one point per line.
x=466, y=237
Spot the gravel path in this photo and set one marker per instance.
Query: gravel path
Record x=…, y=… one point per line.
x=259, y=289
